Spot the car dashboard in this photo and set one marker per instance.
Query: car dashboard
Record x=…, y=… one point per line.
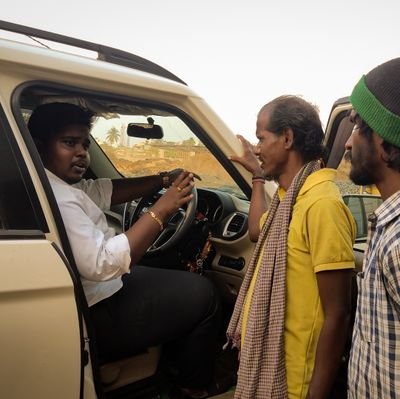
x=221, y=219
x=225, y=215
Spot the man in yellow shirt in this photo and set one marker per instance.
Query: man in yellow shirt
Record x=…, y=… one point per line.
x=292, y=313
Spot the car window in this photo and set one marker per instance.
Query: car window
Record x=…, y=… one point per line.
x=19, y=206
x=361, y=200
x=361, y=206
x=179, y=148
x=357, y=210
x=371, y=203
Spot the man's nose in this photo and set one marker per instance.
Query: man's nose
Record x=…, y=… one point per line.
x=349, y=143
x=81, y=151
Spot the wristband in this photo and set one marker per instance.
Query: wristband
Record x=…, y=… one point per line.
x=258, y=178
x=165, y=179
x=156, y=218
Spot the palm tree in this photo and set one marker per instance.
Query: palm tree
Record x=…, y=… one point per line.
x=112, y=136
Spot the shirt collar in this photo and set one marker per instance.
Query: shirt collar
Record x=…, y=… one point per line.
x=388, y=210
x=320, y=176
x=52, y=176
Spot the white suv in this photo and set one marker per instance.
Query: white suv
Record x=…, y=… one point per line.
x=46, y=339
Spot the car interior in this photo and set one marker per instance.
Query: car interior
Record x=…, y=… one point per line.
x=209, y=236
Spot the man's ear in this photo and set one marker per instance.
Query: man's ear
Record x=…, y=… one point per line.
x=378, y=143
x=383, y=154
x=288, y=137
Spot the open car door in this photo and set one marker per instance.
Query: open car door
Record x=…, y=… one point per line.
x=40, y=335
x=361, y=200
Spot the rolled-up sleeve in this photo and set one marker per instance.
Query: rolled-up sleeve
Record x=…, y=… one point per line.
x=99, y=254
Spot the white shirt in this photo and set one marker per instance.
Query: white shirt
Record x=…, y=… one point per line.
x=101, y=256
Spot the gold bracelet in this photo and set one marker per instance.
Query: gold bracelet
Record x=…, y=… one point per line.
x=156, y=218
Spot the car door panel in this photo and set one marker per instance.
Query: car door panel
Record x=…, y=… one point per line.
x=40, y=322
x=40, y=339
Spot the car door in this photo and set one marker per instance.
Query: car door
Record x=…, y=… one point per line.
x=40, y=338
x=361, y=200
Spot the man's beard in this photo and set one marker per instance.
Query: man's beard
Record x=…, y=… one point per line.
x=361, y=177
x=361, y=173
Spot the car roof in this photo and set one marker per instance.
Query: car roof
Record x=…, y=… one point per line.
x=88, y=66
x=104, y=53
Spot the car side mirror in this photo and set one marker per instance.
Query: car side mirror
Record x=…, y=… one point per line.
x=361, y=206
x=145, y=131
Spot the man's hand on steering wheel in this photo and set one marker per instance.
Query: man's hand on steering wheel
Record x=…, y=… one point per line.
x=177, y=195
x=174, y=211
x=172, y=175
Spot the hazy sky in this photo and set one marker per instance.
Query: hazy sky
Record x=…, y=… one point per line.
x=238, y=55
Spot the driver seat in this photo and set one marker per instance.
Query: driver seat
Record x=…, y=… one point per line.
x=131, y=369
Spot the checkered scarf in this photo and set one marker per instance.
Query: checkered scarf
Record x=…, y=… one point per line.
x=262, y=373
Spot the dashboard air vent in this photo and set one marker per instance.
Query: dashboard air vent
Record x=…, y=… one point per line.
x=234, y=225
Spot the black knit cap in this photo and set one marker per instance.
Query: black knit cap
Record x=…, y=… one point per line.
x=376, y=98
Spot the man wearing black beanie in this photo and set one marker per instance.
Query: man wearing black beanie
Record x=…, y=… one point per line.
x=374, y=146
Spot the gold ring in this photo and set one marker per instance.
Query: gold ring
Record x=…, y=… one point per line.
x=178, y=188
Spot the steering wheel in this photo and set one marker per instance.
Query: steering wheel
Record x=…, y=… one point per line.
x=174, y=228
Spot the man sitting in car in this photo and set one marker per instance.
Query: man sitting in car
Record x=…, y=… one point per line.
x=131, y=307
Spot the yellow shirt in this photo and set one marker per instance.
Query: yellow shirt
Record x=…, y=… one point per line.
x=321, y=236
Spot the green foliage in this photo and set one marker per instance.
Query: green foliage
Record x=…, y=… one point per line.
x=113, y=136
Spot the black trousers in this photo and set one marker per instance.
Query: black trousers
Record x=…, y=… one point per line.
x=177, y=309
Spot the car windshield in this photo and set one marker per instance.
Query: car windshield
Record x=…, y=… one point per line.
x=179, y=148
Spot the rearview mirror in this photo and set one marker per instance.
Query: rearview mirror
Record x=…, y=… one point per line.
x=145, y=131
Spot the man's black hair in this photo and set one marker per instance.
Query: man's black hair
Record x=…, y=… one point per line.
x=302, y=117
x=50, y=119
x=363, y=127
